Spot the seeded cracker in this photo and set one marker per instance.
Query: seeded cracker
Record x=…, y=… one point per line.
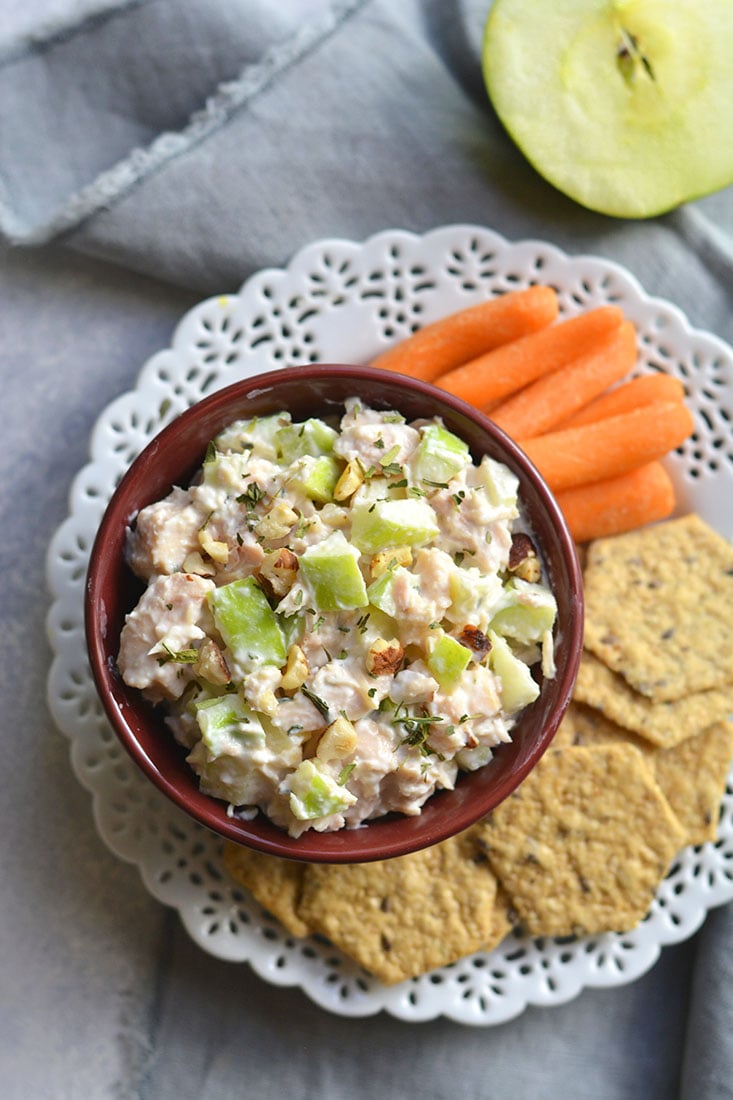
x=405, y=916
x=659, y=607
x=584, y=842
x=663, y=724
x=583, y=725
x=275, y=883
x=691, y=775
x=503, y=920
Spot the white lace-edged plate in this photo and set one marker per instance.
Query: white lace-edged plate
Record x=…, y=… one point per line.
x=342, y=301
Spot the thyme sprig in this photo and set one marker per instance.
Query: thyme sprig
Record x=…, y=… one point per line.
x=417, y=729
x=179, y=656
x=320, y=704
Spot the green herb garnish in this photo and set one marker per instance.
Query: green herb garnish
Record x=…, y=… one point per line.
x=320, y=704
x=251, y=495
x=391, y=469
x=344, y=774
x=417, y=731
x=180, y=656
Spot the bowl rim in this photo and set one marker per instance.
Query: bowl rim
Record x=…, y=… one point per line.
x=260, y=834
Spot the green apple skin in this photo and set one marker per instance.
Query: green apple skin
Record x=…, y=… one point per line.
x=393, y=523
x=316, y=794
x=623, y=105
x=518, y=689
x=316, y=477
x=448, y=661
x=247, y=623
x=312, y=437
x=440, y=455
x=527, y=611
x=226, y=719
x=256, y=436
x=380, y=591
x=331, y=571
x=501, y=485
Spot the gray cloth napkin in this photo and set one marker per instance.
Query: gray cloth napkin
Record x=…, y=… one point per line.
x=200, y=140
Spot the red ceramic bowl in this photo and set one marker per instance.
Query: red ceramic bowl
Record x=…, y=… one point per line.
x=172, y=458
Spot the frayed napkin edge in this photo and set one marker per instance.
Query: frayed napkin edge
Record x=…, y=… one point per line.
x=230, y=96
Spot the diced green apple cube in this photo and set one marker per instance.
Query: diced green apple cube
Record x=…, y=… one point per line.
x=331, y=571
x=226, y=721
x=247, y=623
x=518, y=689
x=315, y=794
x=469, y=760
x=257, y=435
x=376, y=624
x=292, y=627
x=375, y=488
x=529, y=611
x=393, y=523
x=440, y=455
x=447, y=661
x=381, y=591
x=316, y=477
x=225, y=471
x=501, y=485
x=474, y=595
x=312, y=437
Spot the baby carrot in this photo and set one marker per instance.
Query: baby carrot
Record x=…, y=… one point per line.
x=618, y=504
x=549, y=400
x=631, y=395
x=610, y=447
x=445, y=344
x=507, y=369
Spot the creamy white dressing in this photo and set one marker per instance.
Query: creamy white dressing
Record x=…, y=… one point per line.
x=327, y=691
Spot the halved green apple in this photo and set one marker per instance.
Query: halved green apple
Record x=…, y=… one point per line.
x=623, y=105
